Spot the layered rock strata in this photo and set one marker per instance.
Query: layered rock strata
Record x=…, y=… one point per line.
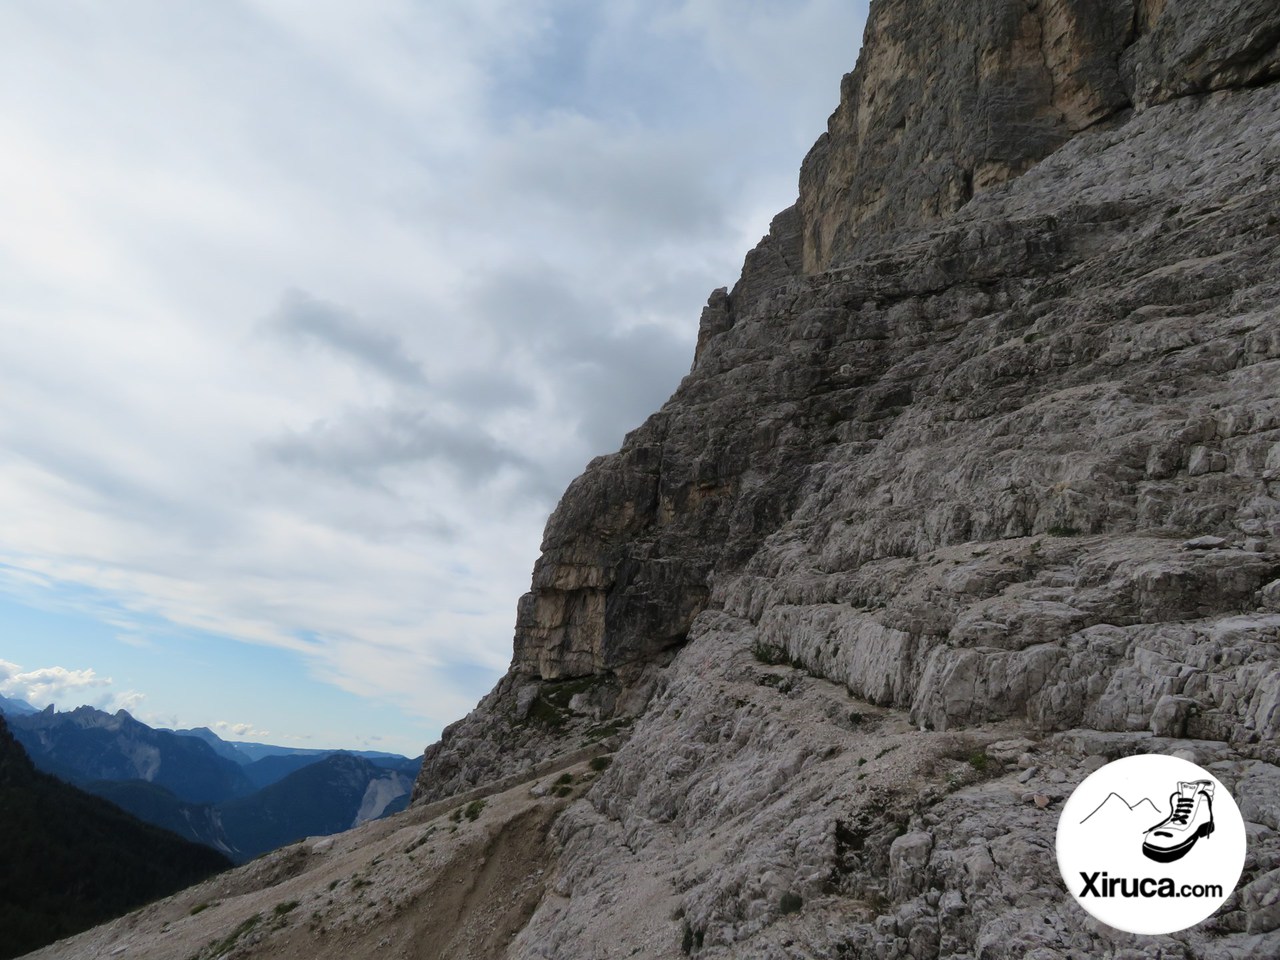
x=988, y=437
x=951, y=98
x=1054, y=354
x=974, y=485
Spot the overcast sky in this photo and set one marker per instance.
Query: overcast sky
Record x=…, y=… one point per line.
x=310, y=310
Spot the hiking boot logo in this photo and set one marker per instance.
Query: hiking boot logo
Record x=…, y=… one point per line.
x=1190, y=818
x=1126, y=856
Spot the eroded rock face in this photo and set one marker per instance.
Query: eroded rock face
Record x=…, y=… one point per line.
x=952, y=98
x=955, y=97
x=974, y=486
x=1074, y=354
x=1185, y=47
x=984, y=446
x=627, y=554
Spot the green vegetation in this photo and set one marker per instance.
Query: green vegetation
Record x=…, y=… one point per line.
x=564, y=778
x=1062, y=530
x=979, y=761
x=202, y=907
x=605, y=730
x=546, y=715
x=411, y=847
x=550, y=707
x=280, y=909
x=472, y=812
x=217, y=948
x=772, y=654
x=599, y=764
x=790, y=903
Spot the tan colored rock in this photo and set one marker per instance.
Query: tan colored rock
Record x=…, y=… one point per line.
x=965, y=96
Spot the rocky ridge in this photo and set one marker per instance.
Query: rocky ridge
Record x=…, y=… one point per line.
x=1003, y=454
x=974, y=485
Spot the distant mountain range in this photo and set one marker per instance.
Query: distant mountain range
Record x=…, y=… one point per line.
x=84, y=745
x=69, y=860
x=12, y=707
x=242, y=799
x=245, y=752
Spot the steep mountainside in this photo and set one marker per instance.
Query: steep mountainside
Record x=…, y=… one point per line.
x=208, y=790
x=944, y=446
x=85, y=744
x=69, y=860
x=974, y=485
x=18, y=708
x=337, y=793
x=328, y=794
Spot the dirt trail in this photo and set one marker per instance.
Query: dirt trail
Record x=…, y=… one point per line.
x=454, y=879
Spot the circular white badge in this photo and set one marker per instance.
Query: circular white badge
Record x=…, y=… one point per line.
x=1151, y=844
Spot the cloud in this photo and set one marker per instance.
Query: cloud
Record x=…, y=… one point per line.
x=364, y=443
x=63, y=687
x=302, y=319
x=579, y=173
x=614, y=366
x=129, y=701
x=241, y=731
x=313, y=309
x=55, y=683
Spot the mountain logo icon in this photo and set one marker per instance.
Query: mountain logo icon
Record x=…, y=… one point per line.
x=1150, y=844
x=1190, y=818
x=1116, y=807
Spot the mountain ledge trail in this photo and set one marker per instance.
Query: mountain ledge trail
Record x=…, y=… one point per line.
x=973, y=486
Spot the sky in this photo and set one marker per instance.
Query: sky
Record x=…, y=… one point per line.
x=309, y=311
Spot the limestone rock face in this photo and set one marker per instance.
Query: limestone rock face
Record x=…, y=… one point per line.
x=973, y=486
x=1186, y=46
x=983, y=448
x=952, y=98
x=959, y=96
x=627, y=553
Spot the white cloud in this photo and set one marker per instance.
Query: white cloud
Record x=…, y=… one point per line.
x=58, y=685
x=129, y=700
x=241, y=731
x=311, y=309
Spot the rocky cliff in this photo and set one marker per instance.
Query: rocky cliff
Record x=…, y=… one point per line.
x=974, y=485
x=987, y=436
x=952, y=98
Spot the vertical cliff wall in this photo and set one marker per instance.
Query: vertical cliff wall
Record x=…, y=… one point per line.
x=950, y=102
x=952, y=98
x=977, y=464
x=973, y=486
